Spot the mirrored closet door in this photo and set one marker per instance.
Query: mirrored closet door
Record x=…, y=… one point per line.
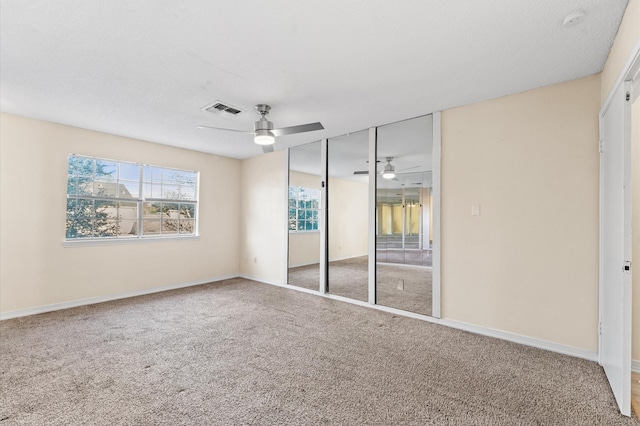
x=404, y=219
x=304, y=214
x=347, y=226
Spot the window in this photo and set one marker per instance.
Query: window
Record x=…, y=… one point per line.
x=304, y=208
x=113, y=199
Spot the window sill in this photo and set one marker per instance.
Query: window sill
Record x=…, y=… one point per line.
x=121, y=241
x=305, y=232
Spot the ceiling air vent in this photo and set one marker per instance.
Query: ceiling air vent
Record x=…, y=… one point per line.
x=218, y=107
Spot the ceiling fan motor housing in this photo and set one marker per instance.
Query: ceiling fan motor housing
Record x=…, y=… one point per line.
x=263, y=124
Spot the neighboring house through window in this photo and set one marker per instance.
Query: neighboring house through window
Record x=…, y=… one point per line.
x=304, y=209
x=113, y=199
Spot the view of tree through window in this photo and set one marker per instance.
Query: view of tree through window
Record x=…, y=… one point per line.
x=114, y=199
x=304, y=208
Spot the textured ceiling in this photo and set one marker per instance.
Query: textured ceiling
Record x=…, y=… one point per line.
x=145, y=68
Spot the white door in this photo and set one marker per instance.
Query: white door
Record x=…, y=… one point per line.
x=615, y=246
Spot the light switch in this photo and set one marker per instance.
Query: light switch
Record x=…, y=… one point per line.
x=475, y=209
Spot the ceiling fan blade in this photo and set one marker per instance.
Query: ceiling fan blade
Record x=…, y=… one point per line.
x=226, y=130
x=267, y=148
x=361, y=172
x=297, y=129
x=408, y=168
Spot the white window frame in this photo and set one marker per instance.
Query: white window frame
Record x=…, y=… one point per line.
x=140, y=202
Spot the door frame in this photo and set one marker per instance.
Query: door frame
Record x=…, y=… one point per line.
x=624, y=82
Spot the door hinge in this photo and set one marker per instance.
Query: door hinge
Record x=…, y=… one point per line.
x=626, y=266
x=600, y=147
x=628, y=96
x=600, y=328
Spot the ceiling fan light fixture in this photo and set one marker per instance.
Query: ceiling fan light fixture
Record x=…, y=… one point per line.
x=389, y=171
x=264, y=137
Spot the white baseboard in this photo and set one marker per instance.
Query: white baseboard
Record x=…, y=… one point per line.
x=476, y=329
x=100, y=299
x=262, y=281
x=635, y=366
x=523, y=340
x=347, y=257
x=305, y=264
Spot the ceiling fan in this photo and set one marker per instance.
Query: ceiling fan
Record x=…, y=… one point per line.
x=389, y=171
x=263, y=132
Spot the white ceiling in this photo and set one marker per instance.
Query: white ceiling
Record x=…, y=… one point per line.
x=144, y=68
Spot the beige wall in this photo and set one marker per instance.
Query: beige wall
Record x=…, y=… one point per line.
x=36, y=270
x=627, y=37
x=529, y=263
x=264, y=217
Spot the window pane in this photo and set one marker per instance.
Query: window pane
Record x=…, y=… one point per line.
x=128, y=189
x=105, y=189
x=84, y=209
x=187, y=226
x=170, y=176
x=72, y=184
x=151, y=227
x=190, y=179
x=152, y=174
x=128, y=218
x=106, y=170
x=146, y=190
x=187, y=193
x=170, y=226
x=156, y=191
x=84, y=185
x=81, y=166
x=151, y=210
x=129, y=171
x=78, y=229
x=301, y=225
x=171, y=210
x=187, y=211
x=105, y=219
x=170, y=192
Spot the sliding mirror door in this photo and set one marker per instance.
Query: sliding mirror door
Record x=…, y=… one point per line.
x=404, y=215
x=304, y=215
x=348, y=194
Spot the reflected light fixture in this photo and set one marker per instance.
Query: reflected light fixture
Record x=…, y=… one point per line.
x=263, y=137
x=389, y=171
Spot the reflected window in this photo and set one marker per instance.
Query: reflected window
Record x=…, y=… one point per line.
x=304, y=209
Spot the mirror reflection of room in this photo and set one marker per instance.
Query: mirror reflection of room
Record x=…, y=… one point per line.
x=348, y=229
x=404, y=215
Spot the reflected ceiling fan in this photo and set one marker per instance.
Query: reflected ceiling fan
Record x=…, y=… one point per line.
x=389, y=171
x=263, y=132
